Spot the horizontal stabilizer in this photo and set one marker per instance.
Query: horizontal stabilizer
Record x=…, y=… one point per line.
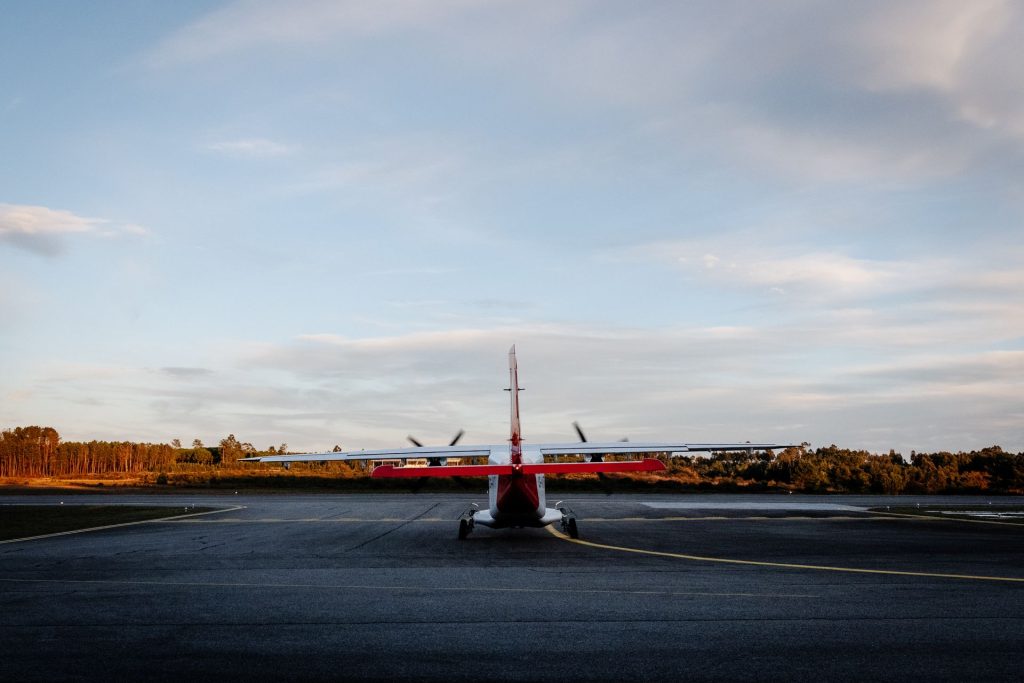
x=648, y=465
x=392, y=472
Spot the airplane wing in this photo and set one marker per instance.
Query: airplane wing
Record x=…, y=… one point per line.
x=592, y=449
x=619, y=447
x=386, y=454
x=550, y=449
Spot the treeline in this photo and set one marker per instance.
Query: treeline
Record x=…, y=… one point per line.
x=39, y=452
x=840, y=470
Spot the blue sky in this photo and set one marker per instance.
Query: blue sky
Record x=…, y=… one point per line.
x=325, y=222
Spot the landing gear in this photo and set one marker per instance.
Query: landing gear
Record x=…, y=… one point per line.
x=568, y=520
x=466, y=522
x=570, y=528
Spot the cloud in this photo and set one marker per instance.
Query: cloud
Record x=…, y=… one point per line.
x=719, y=383
x=398, y=164
x=713, y=383
x=904, y=92
x=132, y=229
x=40, y=229
x=731, y=261
x=252, y=148
x=249, y=24
x=831, y=299
x=954, y=374
x=959, y=51
x=44, y=231
x=186, y=372
x=421, y=180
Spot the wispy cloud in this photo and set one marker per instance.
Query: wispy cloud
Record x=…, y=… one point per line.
x=40, y=229
x=44, y=231
x=739, y=260
x=832, y=299
x=248, y=24
x=252, y=148
x=186, y=372
x=396, y=165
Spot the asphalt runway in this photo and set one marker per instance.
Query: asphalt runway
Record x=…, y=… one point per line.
x=376, y=587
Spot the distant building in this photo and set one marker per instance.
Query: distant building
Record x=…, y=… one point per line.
x=412, y=462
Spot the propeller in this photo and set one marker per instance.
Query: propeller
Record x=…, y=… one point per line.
x=436, y=462
x=576, y=426
x=583, y=438
x=596, y=457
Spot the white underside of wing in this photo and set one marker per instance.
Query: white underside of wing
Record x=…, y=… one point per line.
x=590, y=447
x=383, y=454
x=499, y=453
x=613, y=447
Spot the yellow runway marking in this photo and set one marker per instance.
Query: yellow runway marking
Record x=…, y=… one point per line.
x=390, y=587
x=114, y=526
x=784, y=565
x=718, y=518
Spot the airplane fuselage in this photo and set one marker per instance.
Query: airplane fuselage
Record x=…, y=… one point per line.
x=517, y=499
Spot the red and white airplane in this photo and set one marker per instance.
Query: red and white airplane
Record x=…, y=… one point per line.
x=515, y=471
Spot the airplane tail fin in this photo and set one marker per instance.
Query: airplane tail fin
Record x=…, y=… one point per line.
x=515, y=439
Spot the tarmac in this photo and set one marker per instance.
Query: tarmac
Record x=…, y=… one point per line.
x=376, y=587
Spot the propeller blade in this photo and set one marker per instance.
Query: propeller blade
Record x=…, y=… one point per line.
x=457, y=437
x=414, y=442
x=576, y=426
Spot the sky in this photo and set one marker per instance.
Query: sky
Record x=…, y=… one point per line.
x=325, y=222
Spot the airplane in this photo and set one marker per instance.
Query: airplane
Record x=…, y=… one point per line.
x=515, y=470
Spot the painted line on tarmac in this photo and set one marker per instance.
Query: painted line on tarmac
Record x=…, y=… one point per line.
x=718, y=518
x=115, y=526
x=784, y=565
x=389, y=587
x=434, y=520
x=934, y=518
x=312, y=520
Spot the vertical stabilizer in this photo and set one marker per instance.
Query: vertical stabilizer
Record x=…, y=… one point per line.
x=517, y=494
x=515, y=440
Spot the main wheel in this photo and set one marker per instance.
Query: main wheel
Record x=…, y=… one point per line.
x=464, y=529
x=573, y=531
